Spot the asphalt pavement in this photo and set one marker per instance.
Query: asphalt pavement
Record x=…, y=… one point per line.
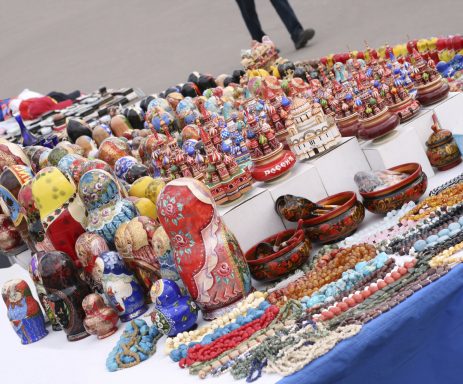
x=65, y=45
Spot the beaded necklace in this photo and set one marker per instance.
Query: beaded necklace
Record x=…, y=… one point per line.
x=252, y=301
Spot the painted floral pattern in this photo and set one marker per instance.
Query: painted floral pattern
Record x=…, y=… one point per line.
x=171, y=210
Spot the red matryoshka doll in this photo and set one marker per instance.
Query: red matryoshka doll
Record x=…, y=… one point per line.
x=32, y=215
x=113, y=148
x=207, y=255
x=10, y=239
x=11, y=181
x=11, y=154
x=61, y=210
x=133, y=242
x=89, y=246
x=65, y=291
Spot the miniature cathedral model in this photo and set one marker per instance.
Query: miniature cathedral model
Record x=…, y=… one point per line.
x=310, y=131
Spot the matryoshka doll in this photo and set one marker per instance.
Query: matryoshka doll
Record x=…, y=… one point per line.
x=207, y=255
x=23, y=311
x=173, y=312
x=32, y=215
x=100, y=319
x=147, y=187
x=129, y=169
x=11, y=154
x=43, y=298
x=106, y=208
x=112, y=149
x=11, y=181
x=65, y=291
x=10, y=239
x=71, y=165
x=121, y=287
x=133, y=242
x=89, y=246
x=163, y=251
x=61, y=210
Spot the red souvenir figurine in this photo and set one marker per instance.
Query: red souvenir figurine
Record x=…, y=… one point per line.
x=207, y=255
x=100, y=319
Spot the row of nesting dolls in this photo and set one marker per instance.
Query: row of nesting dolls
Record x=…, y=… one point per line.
x=209, y=259
x=70, y=305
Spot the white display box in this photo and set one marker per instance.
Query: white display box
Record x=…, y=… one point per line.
x=421, y=124
x=403, y=146
x=252, y=218
x=338, y=167
x=303, y=181
x=450, y=114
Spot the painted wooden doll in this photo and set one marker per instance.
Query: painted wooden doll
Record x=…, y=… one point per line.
x=11, y=154
x=89, y=246
x=11, y=180
x=106, y=208
x=147, y=187
x=61, y=210
x=65, y=291
x=121, y=287
x=112, y=149
x=41, y=292
x=207, y=255
x=23, y=311
x=173, y=312
x=10, y=239
x=133, y=242
x=100, y=320
x=32, y=215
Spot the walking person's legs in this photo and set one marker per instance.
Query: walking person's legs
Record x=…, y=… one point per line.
x=299, y=35
x=248, y=11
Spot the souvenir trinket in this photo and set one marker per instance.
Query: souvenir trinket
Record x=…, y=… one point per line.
x=133, y=242
x=106, y=208
x=11, y=180
x=76, y=128
x=338, y=223
x=112, y=149
x=89, y=246
x=41, y=293
x=173, y=313
x=442, y=152
x=429, y=84
x=147, y=187
x=137, y=344
x=310, y=132
x=100, y=319
x=404, y=189
x=10, y=239
x=121, y=287
x=207, y=255
x=23, y=311
x=288, y=251
x=269, y=159
x=61, y=210
x=65, y=291
x=163, y=251
x=11, y=154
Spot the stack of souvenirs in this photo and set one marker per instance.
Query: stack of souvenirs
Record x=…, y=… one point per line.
x=122, y=214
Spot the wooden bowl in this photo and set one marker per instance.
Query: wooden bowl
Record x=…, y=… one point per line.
x=393, y=197
x=338, y=223
x=283, y=262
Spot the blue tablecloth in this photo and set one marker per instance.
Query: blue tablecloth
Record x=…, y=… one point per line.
x=420, y=341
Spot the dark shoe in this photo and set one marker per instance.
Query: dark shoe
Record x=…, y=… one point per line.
x=303, y=38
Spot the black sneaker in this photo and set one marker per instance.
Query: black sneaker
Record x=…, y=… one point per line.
x=304, y=37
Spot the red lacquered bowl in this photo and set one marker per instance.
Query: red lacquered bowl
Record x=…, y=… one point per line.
x=393, y=197
x=283, y=262
x=338, y=223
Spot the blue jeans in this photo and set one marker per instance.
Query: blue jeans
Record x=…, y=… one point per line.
x=284, y=10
